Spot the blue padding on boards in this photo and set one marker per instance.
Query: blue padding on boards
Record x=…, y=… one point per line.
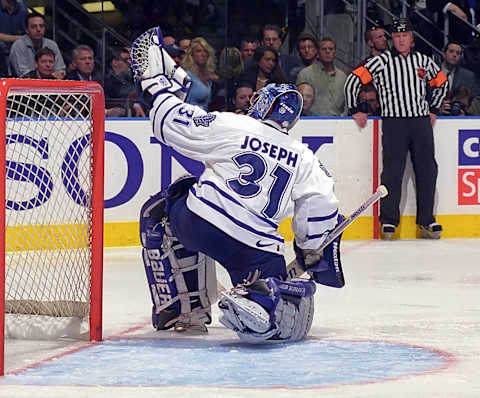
x=193, y=362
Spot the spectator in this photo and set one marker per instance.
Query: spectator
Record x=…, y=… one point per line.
x=248, y=45
x=271, y=37
x=376, y=39
x=327, y=80
x=307, y=47
x=368, y=100
x=44, y=65
x=308, y=94
x=184, y=43
x=22, y=53
x=459, y=102
x=12, y=28
x=46, y=105
x=176, y=53
x=83, y=64
x=168, y=40
x=263, y=69
x=200, y=63
x=119, y=88
x=401, y=77
x=474, y=108
x=241, y=99
x=456, y=75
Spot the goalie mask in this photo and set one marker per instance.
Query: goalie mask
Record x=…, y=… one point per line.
x=279, y=103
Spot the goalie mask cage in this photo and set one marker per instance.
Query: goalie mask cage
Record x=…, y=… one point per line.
x=51, y=216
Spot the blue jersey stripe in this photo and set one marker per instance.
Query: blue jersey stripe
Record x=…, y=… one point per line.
x=311, y=237
x=156, y=111
x=227, y=196
x=223, y=212
x=163, y=119
x=324, y=218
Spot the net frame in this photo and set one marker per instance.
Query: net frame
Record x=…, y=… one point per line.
x=38, y=86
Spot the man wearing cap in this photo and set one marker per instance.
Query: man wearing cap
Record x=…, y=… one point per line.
x=175, y=52
x=402, y=77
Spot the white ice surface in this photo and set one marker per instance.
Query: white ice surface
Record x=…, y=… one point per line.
x=417, y=292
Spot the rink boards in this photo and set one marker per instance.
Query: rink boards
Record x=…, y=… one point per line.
x=138, y=165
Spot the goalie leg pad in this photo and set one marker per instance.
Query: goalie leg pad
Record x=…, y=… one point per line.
x=182, y=283
x=269, y=309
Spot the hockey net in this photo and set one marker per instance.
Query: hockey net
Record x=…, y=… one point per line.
x=51, y=221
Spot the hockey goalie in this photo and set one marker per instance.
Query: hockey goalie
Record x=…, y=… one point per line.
x=255, y=176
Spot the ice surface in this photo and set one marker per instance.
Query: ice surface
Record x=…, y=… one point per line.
x=405, y=325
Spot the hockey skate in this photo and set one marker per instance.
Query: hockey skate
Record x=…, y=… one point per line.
x=387, y=231
x=154, y=70
x=431, y=231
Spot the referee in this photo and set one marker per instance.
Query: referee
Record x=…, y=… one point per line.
x=402, y=78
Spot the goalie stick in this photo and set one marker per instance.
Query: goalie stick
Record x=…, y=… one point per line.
x=294, y=270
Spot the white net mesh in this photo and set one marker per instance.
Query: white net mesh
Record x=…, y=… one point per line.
x=48, y=204
x=139, y=51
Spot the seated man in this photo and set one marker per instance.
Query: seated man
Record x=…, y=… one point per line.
x=254, y=170
x=22, y=53
x=368, y=100
x=119, y=87
x=308, y=94
x=241, y=100
x=44, y=65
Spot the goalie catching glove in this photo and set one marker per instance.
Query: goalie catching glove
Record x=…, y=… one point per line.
x=269, y=309
x=154, y=70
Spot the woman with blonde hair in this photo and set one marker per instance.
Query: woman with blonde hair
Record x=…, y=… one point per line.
x=200, y=63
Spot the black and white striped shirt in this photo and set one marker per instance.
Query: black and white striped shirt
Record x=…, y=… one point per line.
x=401, y=83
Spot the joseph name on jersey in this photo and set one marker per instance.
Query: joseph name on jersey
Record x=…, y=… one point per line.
x=248, y=197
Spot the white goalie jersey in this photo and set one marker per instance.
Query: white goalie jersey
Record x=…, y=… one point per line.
x=255, y=176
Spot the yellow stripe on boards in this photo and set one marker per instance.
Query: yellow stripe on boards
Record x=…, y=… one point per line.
x=454, y=226
x=47, y=237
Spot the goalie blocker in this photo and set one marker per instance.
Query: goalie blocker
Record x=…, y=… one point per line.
x=182, y=283
x=325, y=266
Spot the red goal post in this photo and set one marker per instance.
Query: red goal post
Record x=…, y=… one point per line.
x=51, y=205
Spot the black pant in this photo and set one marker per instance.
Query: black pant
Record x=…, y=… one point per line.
x=399, y=136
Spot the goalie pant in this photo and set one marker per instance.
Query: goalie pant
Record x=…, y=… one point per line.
x=179, y=248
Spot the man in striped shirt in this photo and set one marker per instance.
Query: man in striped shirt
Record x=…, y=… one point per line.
x=402, y=77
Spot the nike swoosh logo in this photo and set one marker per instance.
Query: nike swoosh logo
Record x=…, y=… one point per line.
x=260, y=244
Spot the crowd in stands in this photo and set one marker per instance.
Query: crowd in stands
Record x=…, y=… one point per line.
x=226, y=78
